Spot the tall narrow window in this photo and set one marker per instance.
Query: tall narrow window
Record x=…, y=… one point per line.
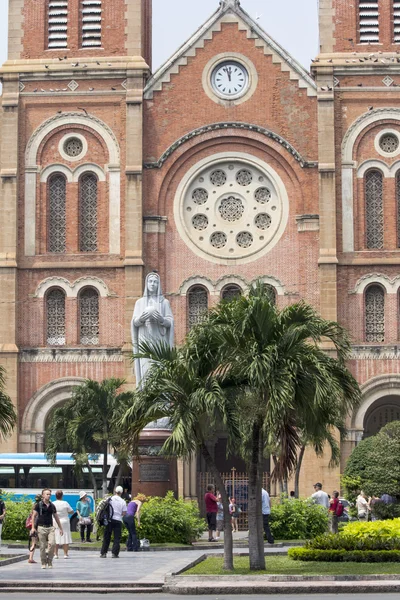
x=369, y=21
x=375, y=314
x=55, y=304
x=197, y=305
x=88, y=213
x=89, y=317
x=396, y=21
x=91, y=23
x=58, y=24
x=374, y=209
x=398, y=207
x=230, y=292
x=57, y=213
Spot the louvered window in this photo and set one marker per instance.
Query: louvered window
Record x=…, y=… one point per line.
x=57, y=213
x=58, y=24
x=88, y=213
x=55, y=301
x=91, y=23
x=197, y=305
x=369, y=21
x=374, y=209
x=375, y=314
x=396, y=21
x=89, y=317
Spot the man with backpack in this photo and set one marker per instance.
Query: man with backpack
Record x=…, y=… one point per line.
x=42, y=520
x=335, y=511
x=111, y=518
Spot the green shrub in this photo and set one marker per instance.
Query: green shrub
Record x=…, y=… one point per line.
x=169, y=520
x=373, y=529
x=14, y=523
x=384, y=511
x=298, y=519
x=350, y=542
x=369, y=556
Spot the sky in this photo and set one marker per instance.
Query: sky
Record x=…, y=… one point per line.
x=292, y=23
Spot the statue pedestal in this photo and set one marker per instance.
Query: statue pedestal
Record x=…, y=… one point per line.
x=152, y=474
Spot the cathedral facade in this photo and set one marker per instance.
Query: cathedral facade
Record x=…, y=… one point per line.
x=228, y=164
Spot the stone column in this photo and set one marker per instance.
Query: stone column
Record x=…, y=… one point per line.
x=8, y=243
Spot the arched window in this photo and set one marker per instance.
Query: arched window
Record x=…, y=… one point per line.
x=270, y=292
x=374, y=209
x=89, y=317
x=88, y=213
x=398, y=207
x=57, y=224
x=375, y=314
x=55, y=317
x=231, y=291
x=197, y=305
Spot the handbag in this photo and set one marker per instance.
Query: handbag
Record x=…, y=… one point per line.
x=85, y=521
x=28, y=522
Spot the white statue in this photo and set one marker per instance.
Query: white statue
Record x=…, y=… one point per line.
x=152, y=322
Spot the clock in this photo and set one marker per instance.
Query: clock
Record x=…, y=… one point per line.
x=230, y=79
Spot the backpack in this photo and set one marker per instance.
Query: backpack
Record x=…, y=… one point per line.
x=29, y=522
x=104, y=512
x=339, y=509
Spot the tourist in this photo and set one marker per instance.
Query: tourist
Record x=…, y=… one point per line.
x=63, y=511
x=211, y=511
x=3, y=511
x=84, y=509
x=266, y=511
x=234, y=511
x=362, y=507
x=333, y=513
x=319, y=496
x=132, y=513
x=115, y=525
x=43, y=514
x=372, y=503
x=219, y=517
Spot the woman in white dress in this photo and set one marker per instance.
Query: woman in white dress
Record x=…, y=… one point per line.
x=63, y=510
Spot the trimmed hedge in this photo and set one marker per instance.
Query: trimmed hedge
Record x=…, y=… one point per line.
x=14, y=522
x=373, y=529
x=350, y=542
x=369, y=556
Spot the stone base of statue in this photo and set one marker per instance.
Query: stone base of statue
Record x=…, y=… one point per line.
x=152, y=473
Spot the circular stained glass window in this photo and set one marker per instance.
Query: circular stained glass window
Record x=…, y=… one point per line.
x=73, y=147
x=389, y=143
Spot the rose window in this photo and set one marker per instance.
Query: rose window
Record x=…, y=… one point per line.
x=389, y=143
x=200, y=196
x=73, y=147
x=230, y=209
x=218, y=178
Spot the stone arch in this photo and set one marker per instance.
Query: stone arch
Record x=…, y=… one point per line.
x=372, y=391
x=32, y=169
x=72, y=289
x=39, y=407
x=349, y=166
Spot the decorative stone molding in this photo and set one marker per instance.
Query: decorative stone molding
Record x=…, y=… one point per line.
x=154, y=224
x=231, y=12
x=372, y=390
x=377, y=142
x=73, y=119
x=70, y=355
x=72, y=175
x=375, y=353
x=231, y=125
x=68, y=137
x=390, y=285
x=307, y=223
x=231, y=280
x=215, y=288
x=72, y=289
x=197, y=280
x=374, y=164
x=348, y=166
x=272, y=281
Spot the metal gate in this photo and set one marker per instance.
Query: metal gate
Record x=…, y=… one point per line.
x=236, y=485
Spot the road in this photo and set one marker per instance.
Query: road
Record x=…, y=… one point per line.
x=23, y=596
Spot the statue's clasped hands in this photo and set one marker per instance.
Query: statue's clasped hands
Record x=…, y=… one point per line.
x=152, y=314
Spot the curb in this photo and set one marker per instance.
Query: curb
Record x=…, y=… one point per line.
x=14, y=559
x=337, y=587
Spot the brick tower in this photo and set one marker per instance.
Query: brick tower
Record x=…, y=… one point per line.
x=71, y=198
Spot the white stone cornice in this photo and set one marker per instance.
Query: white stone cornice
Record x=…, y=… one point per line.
x=70, y=355
x=72, y=289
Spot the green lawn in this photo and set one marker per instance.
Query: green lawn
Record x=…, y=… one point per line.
x=282, y=565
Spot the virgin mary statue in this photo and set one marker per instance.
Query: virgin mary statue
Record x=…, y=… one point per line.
x=152, y=321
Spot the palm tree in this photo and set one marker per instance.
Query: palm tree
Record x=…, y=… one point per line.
x=286, y=381
x=89, y=422
x=182, y=387
x=8, y=416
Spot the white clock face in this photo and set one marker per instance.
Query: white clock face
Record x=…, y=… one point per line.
x=230, y=79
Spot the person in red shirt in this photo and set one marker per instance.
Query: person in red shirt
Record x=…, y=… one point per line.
x=211, y=510
x=333, y=509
